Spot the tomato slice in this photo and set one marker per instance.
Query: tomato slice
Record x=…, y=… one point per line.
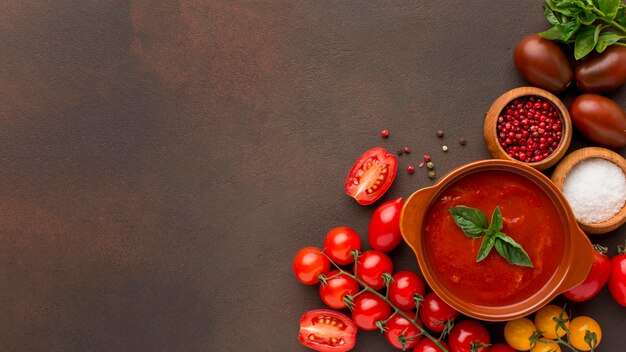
x=371, y=176
x=327, y=331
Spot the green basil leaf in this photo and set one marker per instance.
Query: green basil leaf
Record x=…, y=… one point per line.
x=608, y=7
x=567, y=7
x=554, y=33
x=496, y=221
x=586, y=17
x=570, y=29
x=621, y=15
x=511, y=250
x=606, y=39
x=472, y=221
x=485, y=246
x=550, y=16
x=586, y=41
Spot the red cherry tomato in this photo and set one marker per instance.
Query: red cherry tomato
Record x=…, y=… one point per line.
x=339, y=242
x=308, y=264
x=333, y=291
x=368, y=309
x=399, y=325
x=500, y=347
x=384, y=230
x=404, y=287
x=327, y=331
x=466, y=333
x=434, y=312
x=370, y=267
x=617, y=280
x=596, y=279
x=427, y=345
x=371, y=176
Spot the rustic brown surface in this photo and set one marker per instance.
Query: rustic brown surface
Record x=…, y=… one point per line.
x=163, y=161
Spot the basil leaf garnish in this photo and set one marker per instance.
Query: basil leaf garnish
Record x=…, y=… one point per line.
x=472, y=221
x=512, y=251
x=485, y=246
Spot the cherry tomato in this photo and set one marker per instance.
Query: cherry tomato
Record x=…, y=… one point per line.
x=543, y=63
x=466, y=333
x=544, y=321
x=596, y=279
x=427, y=345
x=384, y=230
x=501, y=347
x=545, y=345
x=370, y=267
x=368, y=309
x=327, y=330
x=404, y=287
x=333, y=291
x=434, y=312
x=599, y=119
x=399, y=325
x=517, y=333
x=617, y=280
x=603, y=72
x=308, y=264
x=371, y=176
x=339, y=242
x=578, y=327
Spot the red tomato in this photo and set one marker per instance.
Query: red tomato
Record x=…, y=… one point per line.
x=427, y=345
x=371, y=176
x=333, y=291
x=434, y=312
x=543, y=63
x=600, y=119
x=466, y=333
x=617, y=280
x=308, y=264
x=327, y=330
x=384, y=230
x=404, y=287
x=596, y=279
x=399, y=325
x=500, y=347
x=370, y=267
x=368, y=309
x=339, y=242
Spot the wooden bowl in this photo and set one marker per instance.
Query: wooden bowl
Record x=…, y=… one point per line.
x=562, y=170
x=573, y=267
x=490, y=130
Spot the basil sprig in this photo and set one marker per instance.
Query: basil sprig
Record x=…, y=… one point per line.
x=587, y=24
x=474, y=224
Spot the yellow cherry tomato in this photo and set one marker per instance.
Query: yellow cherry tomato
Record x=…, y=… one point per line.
x=517, y=333
x=544, y=320
x=578, y=328
x=546, y=345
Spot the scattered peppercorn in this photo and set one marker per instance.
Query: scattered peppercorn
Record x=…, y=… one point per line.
x=399, y=151
x=445, y=148
x=426, y=157
x=384, y=133
x=430, y=165
x=407, y=150
x=431, y=175
x=440, y=133
x=462, y=141
x=421, y=164
x=410, y=169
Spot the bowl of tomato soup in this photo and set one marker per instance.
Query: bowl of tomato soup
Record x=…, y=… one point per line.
x=534, y=214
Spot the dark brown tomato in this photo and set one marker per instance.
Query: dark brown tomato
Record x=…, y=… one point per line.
x=543, y=63
x=603, y=72
x=599, y=119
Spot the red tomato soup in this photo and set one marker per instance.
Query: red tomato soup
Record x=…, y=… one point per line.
x=530, y=218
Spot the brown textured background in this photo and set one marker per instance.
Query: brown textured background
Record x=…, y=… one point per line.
x=162, y=162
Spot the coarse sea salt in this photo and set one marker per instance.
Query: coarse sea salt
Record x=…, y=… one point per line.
x=595, y=189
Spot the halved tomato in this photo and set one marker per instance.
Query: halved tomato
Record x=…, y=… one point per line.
x=327, y=331
x=371, y=176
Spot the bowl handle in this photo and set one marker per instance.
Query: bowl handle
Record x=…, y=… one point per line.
x=581, y=259
x=412, y=214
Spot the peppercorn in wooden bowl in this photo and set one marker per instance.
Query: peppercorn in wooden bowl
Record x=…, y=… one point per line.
x=595, y=189
x=528, y=125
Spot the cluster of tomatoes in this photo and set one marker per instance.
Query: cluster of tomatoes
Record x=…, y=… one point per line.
x=546, y=65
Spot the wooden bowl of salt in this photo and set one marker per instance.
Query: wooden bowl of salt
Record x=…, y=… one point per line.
x=593, y=181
